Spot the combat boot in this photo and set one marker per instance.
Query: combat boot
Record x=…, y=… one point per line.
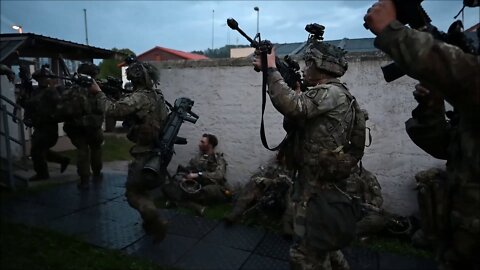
x=84, y=183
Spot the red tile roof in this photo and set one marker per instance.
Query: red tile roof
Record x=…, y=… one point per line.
x=184, y=55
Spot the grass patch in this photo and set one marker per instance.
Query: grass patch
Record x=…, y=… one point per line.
x=114, y=148
x=24, y=247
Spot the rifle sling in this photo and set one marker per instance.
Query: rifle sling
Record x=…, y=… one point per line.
x=264, y=100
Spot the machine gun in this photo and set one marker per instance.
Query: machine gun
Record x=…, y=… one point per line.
x=164, y=145
x=288, y=68
x=411, y=12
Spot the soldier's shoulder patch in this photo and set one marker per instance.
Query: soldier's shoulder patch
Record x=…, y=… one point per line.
x=311, y=93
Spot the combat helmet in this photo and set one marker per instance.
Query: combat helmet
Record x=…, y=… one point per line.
x=143, y=74
x=89, y=69
x=327, y=57
x=43, y=72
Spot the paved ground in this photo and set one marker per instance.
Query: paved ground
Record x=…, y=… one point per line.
x=102, y=217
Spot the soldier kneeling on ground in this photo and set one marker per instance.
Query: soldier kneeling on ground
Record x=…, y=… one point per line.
x=267, y=193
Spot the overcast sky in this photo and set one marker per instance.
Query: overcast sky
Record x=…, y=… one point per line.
x=187, y=25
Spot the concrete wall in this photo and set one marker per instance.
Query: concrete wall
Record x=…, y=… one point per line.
x=227, y=96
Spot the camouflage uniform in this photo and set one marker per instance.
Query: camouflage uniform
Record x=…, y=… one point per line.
x=85, y=130
x=324, y=116
x=43, y=116
x=272, y=179
x=454, y=75
x=146, y=108
x=213, y=168
x=364, y=185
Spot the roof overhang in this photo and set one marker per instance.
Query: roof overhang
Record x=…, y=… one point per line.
x=16, y=45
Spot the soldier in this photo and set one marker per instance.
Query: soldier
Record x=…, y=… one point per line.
x=207, y=169
x=267, y=190
x=325, y=118
x=445, y=73
x=42, y=115
x=85, y=131
x=147, y=111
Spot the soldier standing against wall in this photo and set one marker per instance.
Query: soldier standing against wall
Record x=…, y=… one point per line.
x=146, y=110
x=42, y=115
x=445, y=72
x=85, y=131
x=325, y=116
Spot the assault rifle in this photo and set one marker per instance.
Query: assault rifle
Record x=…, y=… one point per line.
x=164, y=144
x=273, y=199
x=411, y=12
x=288, y=68
x=112, y=87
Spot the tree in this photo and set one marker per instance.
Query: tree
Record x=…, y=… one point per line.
x=109, y=67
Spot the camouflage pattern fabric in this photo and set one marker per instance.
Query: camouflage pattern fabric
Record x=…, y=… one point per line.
x=85, y=130
x=364, y=185
x=447, y=71
x=269, y=181
x=213, y=168
x=324, y=117
x=146, y=110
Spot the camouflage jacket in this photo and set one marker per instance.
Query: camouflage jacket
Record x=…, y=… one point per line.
x=213, y=168
x=147, y=113
x=81, y=108
x=323, y=117
x=42, y=106
x=449, y=71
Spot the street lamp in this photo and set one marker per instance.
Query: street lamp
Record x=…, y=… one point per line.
x=18, y=28
x=258, y=18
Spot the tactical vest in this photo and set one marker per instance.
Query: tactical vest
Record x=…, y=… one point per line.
x=80, y=108
x=341, y=129
x=149, y=119
x=42, y=106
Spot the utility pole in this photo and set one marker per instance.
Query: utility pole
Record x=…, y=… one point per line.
x=213, y=26
x=258, y=18
x=85, y=20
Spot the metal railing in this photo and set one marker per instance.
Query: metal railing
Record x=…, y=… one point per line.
x=5, y=114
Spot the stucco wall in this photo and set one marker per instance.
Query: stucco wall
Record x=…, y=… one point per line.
x=227, y=96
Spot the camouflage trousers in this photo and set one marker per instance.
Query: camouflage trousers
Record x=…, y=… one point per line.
x=44, y=138
x=89, y=150
x=137, y=189
x=461, y=244
x=304, y=258
x=301, y=259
